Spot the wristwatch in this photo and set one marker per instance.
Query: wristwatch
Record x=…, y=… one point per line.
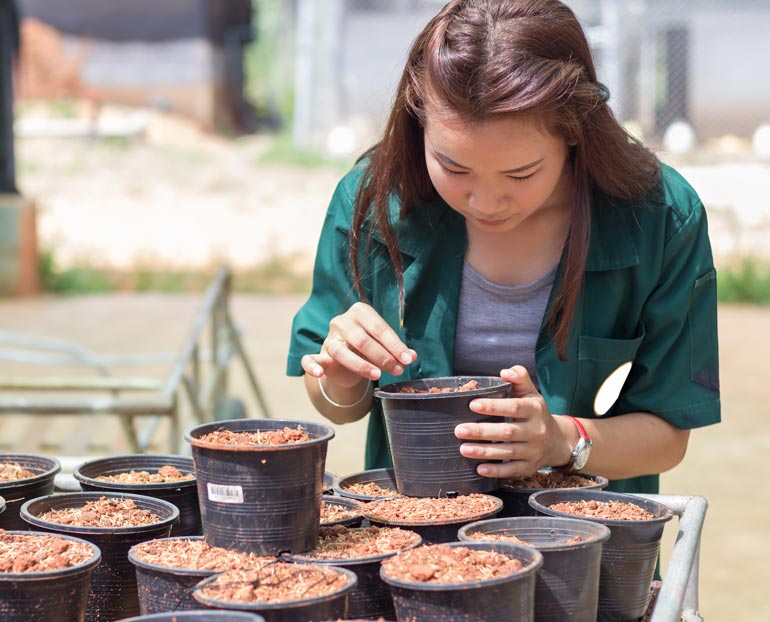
x=582, y=450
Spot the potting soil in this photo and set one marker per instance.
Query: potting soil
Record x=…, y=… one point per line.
x=103, y=513
x=340, y=542
x=185, y=554
x=430, y=509
x=257, y=437
x=275, y=582
x=548, y=479
x=607, y=510
x=165, y=474
x=331, y=512
x=40, y=553
x=12, y=471
x=441, y=563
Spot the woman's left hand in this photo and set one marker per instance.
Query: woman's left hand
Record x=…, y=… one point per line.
x=529, y=441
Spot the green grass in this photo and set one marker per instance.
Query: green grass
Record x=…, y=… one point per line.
x=746, y=282
x=282, y=151
x=274, y=276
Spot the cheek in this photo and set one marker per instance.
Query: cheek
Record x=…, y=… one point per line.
x=445, y=185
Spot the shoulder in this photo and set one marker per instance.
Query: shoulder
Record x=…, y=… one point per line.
x=679, y=199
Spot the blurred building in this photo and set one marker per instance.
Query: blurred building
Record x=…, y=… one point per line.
x=704, y=62
x=184, y=56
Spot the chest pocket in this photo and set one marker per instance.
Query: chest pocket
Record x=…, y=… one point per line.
x=598, y=358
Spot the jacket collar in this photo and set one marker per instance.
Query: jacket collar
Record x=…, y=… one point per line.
x=612, y=245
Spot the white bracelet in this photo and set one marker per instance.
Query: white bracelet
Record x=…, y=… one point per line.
x=337, y=404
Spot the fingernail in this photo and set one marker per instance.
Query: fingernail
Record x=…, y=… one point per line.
x=374, y=374
x=510, y=372
x=461, y=430
x=483, y=470
x=475, y=405
x=398, y=370
x=318, y=370
x=406, y=358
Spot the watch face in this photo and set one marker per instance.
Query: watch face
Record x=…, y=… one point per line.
x=581, y=453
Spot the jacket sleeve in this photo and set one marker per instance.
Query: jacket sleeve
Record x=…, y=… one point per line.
x=332, y=291
x=676, y=370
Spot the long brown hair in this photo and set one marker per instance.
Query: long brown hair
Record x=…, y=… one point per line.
x=479, y=59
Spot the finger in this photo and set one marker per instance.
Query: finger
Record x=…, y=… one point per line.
x=315, y=364
x=493, y=451
x=504, y=432
x=519, y=408
x=521, y=382
x=383, y=334
x=507, y=470
x=343, y=355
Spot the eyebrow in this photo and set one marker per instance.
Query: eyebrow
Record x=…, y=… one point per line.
x=447, y=160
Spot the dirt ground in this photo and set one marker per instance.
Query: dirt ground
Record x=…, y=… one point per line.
x=174, y=197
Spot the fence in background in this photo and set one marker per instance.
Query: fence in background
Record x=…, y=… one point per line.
x=702, y=62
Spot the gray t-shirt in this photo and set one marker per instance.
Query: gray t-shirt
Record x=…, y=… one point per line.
x=498, y=325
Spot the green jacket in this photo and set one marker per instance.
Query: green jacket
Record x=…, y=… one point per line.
x=649, y=297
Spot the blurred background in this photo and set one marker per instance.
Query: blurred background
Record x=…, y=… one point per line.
x=144, y=144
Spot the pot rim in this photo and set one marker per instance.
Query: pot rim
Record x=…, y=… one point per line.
x=531, y=568
x=507, y=525
x=34, y=520
x=392, y=391
x=598, y=480
x=91, y=562
x=244, y=606
x=353, y=561
x=428, y=523
x=90, y=480
x=389, y=472
x=326, y=433
x=173, y=570
x=578, y=494
x=48, y=473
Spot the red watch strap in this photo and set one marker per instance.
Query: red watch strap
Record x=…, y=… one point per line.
x=581, y=430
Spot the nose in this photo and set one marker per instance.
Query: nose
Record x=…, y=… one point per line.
x=486, y=202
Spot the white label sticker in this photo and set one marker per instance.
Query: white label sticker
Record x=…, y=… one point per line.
x=225, y=494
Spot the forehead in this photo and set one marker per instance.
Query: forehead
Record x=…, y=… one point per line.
x=508, y=133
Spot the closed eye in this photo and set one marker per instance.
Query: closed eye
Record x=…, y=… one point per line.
x=451, y=172
x=525, y=178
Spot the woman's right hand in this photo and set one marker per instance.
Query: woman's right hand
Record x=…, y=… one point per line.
x=360, y=344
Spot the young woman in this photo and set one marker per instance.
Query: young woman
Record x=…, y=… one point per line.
x=506, y=221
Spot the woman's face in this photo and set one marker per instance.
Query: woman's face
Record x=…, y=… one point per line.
x=497, y=173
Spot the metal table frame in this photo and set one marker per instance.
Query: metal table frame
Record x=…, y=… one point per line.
x=678, y=596
x=186, y=379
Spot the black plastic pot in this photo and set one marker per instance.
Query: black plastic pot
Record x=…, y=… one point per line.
x=516, y=500
x=434, y=531
x=53, y=596
x=184, y=495
x=385, y=478
x=19, y=491
x=628, y=557
x=495, y=600
x=199, y=615
x=263, y=499
x=348, y=504
x=567, y=585
x=162, y=588
x=329, y=479
x=426, y=453
x=371, y=598
x=332, y=606
x=113, y=593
